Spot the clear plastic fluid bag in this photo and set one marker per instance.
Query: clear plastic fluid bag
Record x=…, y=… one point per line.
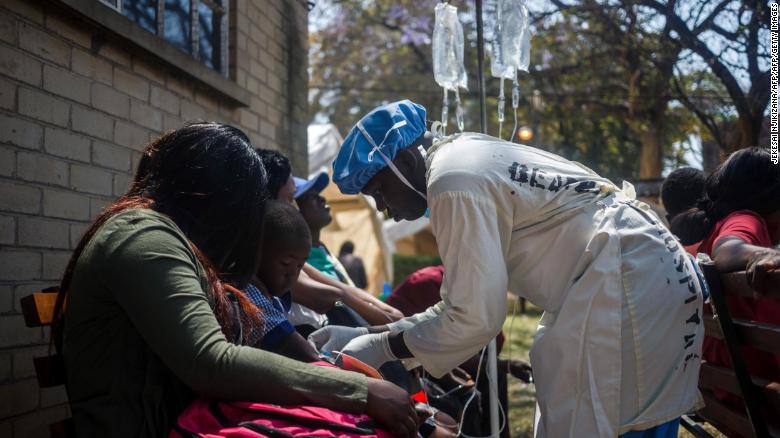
x=448, y=69
x=513, y=23
x=515, y=44
x=497, y=67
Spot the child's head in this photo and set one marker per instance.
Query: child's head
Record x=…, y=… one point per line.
x=286, y=246
x=681, y=190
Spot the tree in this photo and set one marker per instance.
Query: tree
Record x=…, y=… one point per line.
x=364, y=53
x=731, y=37
x=641, y=61
x=607, y=82
x=606, y=101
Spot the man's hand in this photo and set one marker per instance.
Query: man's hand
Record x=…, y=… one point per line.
x=759, y=266
x=373, y=349
x=392, y=408
x=334, y=337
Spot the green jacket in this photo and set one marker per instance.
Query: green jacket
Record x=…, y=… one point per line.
x=141, y=340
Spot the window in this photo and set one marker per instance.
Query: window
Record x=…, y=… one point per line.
x=197, y=27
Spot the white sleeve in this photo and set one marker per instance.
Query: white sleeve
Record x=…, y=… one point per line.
x=411, y=321
x=469, y=232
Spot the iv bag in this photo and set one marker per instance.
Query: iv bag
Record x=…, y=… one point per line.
x=498, y=69
x=448, y=68
x=515, y=36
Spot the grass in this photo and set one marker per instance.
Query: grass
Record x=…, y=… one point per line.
x=522, y=402
x=522, y=397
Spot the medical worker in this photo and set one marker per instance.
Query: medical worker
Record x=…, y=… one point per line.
x=618, y=346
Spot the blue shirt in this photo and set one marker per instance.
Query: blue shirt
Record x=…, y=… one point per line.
x=276, y=327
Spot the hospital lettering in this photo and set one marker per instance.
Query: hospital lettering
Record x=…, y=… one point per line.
x=540, y=179
x=694, y=319
x=536, y=175
x=518, y=172
x=687, y=278
x=585, y=186
x=689, y=357
x=556, y=184
x=679, y=262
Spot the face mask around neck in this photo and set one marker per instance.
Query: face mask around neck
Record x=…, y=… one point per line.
x=388, y=161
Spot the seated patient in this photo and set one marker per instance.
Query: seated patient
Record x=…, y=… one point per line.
x=145, y=318
x=286, y=246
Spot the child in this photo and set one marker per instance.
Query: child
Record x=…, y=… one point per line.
x=286, y=246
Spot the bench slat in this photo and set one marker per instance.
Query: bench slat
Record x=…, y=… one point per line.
x=765, y=337
x=724, y=418
x=718, y=377
x=735, y=283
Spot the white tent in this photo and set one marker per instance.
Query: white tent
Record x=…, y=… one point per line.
x=324, y=142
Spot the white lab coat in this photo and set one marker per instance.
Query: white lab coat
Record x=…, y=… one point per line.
x=619, y=344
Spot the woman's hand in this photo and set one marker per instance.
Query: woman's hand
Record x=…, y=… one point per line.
x=758, y=268
x=392, y=408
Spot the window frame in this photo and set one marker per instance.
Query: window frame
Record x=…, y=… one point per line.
x=222, y=28
x=113, y=25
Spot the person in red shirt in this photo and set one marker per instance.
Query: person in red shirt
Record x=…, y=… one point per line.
x=737, y=224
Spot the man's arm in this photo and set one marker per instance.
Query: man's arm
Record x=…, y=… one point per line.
x=469, y=231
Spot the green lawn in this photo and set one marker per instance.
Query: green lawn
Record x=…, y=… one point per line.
x=521, y=396
x=519, y=339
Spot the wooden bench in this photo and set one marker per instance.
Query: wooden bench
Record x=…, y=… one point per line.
x=759, y=415
x=38, y=311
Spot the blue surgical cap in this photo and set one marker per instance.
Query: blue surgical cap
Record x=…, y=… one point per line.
x=392, y=127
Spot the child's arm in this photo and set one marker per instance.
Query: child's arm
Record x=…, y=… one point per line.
x=365, y=304
x=314, y=294
x=369, y=307
x=295, y=347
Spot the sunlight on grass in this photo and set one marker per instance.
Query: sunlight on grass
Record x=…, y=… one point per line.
x=521, y=396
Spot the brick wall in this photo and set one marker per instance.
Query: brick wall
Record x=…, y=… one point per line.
x=77, y=105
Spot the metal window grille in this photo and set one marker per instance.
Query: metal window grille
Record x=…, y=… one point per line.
x=198, y=27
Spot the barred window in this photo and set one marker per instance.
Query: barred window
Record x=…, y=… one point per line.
x=197, y=27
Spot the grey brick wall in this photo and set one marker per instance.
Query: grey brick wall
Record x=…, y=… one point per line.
x=77, y=105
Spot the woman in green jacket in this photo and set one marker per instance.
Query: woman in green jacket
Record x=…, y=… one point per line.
x=145, y=323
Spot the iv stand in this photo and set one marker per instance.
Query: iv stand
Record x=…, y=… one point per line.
x=492, y=370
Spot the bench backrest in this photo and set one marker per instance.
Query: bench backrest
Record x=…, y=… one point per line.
x=758, y=395
x=38, y=311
